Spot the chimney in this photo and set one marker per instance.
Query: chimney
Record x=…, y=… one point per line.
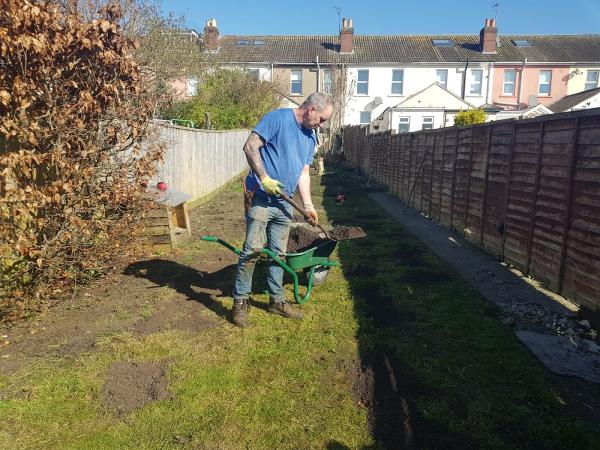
x=487, y=36
x=211, y=35
x=346, y=36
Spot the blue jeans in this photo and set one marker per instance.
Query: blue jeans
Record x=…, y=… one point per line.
x=265, y=223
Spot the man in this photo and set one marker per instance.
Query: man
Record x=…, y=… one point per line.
x=279, y=151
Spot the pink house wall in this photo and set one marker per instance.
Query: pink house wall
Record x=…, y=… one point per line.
x=529, y=79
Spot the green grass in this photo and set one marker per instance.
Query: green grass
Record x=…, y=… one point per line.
x=286, y=385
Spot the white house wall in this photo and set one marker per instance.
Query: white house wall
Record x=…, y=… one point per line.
x=415, y=80
x=416, y=118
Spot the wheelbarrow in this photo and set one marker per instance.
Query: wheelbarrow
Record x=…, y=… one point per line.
x=314, y=262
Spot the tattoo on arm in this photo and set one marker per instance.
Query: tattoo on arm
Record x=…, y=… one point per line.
x=252, y=151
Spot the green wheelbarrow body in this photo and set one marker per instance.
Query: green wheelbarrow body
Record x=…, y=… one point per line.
x=308, y=261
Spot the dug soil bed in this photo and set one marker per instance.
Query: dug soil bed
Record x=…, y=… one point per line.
x=173, y=292
x=131, y=385
x=302, y=238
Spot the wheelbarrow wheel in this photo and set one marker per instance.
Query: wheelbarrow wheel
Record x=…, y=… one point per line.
x=319, y=275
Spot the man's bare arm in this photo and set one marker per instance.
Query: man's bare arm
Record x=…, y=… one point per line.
x=252, y=151
x=304, y=191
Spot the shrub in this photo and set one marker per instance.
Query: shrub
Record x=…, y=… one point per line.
x=470, y=117
x=73, y=115
x=231, y=97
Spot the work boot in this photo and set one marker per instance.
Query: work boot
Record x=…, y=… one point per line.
x=241, y=313
x=284, y=309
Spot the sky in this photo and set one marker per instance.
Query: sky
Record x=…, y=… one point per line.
x=284, y=17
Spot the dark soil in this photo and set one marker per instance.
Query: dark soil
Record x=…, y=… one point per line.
x=120, y=302
x=181, y=314
x=302, y=238
x=130, y=385
x=340, y=232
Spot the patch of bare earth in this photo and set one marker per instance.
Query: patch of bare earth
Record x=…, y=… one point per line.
x=176, y=291
x=131, y=385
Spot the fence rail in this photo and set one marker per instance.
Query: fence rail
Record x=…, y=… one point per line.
x=527, y=191
x=200, y=161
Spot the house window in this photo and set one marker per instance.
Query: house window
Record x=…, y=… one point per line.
x=296, y=86
x=441, y=76
x=365, y=117
x=191, y=86
x=404, y=125
x=362, y=84
x=475, y=86
x=545, y=81
x=397, y=81
x=427, y=123
x=254, y=73
x=591, y=82
x=509, y=82
x=327, y=82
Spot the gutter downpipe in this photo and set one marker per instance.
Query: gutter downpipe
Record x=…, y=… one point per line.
x=272, y=72
x=318, y=73
x=487, y=92
x=464, y=83
x=521, y=83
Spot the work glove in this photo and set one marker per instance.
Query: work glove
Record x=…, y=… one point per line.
x=310, y=211
x=271, y=186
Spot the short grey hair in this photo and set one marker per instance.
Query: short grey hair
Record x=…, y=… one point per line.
x=319, y=100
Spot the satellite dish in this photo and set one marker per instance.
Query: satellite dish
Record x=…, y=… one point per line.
x=373, y=104
x=533, y=100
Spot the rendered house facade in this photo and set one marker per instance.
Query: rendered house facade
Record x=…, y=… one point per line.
x=381, y=72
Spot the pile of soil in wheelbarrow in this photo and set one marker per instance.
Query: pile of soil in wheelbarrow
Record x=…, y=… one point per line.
x=302, y=238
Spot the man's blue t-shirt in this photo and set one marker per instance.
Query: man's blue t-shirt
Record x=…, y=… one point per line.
x=288, y=148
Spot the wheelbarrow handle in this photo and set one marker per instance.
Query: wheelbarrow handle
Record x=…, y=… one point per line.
x=304, y=213
x=235, y=250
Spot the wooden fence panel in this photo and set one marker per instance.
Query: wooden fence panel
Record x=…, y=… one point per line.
x=448, y=176
x=581, y=277
x=462, y=178
x=437, y=175
x=527, y=191
x=551, y=200
x=197, y=161
x=523, y=189
x=494, y=216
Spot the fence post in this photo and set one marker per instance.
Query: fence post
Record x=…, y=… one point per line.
x=569, y=197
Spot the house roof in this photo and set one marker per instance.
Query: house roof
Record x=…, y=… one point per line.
x=441, y=98
x=568, y=102
x=407, y=49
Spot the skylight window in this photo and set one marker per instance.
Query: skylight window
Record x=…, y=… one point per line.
x=522, y=43
x=259, y=42
x=244, y=42
x=442, y=42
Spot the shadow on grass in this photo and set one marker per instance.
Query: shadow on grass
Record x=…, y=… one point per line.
x=383, y=270
x=200, y=286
